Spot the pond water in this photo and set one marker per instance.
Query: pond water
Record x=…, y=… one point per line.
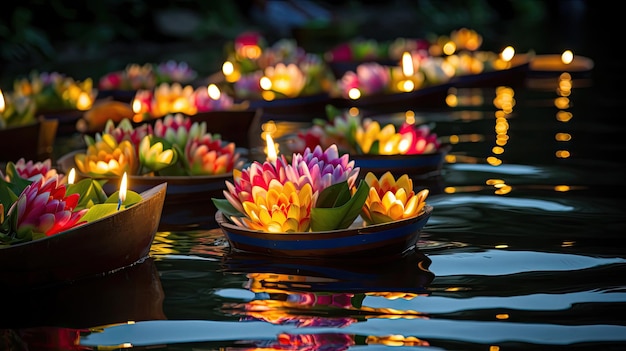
x=524, y=251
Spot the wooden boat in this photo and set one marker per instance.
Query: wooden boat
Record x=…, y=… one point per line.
x=187, y=203
x=418, y=166
x=433, y=96
x=34, y=141
x=99, y=247
x=380, y=240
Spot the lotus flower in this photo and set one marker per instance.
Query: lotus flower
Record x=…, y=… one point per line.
x=106, y=157
x=175, y=146
x=279, y=208
x=355, y=135
x=322, y=168
x=288, y=80
x=44, y=209
x=32, y=170
x=282, y=197
x=390, y=199
x=207, y=155
x=172, y=71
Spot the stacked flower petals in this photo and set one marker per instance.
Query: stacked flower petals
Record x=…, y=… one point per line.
x=278, y=197
x=43, y=207
x=175, y=146
x=32, y=170
x=390, y=199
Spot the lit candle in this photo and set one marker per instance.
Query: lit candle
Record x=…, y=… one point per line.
x=271, y=149
x=567, y=57
x=71, y=176
x=84, y=101
x=122, y=193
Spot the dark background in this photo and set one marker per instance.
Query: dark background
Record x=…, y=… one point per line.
x=91, y=38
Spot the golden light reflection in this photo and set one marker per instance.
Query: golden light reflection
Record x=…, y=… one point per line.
x=452, y=100
x=503, y=190
x=562, y=188
x=494, y=161
x=395, y=340
x=564, y=116
x=561, y=102
x=568, y=243
x=354, y=111
x=501, y=246
x=562, y=154
x=502, y=316
x=563, y=137
x=494, y=348
x=494, y=181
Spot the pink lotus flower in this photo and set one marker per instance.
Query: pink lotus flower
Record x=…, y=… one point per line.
x=322, y=168
x=44, y=208
x=32, y=170
x=208, y=156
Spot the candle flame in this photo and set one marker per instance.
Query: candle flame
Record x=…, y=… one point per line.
x=136, y=106
x=508, y=53
x=567, y=57
x=271, y=149
x=407, y=64
x=214, y=92
x=354, y=93
x=71, y=177
x=228, y=68
x=266, y=83
x=123, y=186
x=2, y=103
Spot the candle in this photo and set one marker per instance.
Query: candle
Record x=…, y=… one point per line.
x=122, y=193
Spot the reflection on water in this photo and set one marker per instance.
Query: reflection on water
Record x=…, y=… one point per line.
x=524, y=250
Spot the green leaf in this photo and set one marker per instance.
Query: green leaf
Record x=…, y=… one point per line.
x=90, y=192
x=333, y=218
x=131, y=198
x=334, y=195
x=332, y=112
x=226, y=207
x=98, y=211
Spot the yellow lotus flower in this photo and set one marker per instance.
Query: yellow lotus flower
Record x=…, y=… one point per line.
x=106, y=157
x=371, y=132
x=279, y=208
x=391, y=200
x=286, y=79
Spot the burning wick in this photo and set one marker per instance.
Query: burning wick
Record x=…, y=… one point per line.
x=122, y=193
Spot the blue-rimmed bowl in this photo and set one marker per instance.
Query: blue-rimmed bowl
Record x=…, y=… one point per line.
x=388, y=239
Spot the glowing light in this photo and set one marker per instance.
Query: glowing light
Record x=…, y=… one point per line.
x=354, y=93
x=271, y=149
x=567, y=57
x=501, y=246
x=266, y=83
x=2, y=103
x=228, y=68
x=407, y=64
x=562, y=188
x=122, y=192
x=214, y=92
x=71, y=177
x=84, y=101
x=449, y=48
x=507, y=54
x=563, y=137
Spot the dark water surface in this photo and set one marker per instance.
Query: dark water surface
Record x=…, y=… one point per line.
x=524, y=251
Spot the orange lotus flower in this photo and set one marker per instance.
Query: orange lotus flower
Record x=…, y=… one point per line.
x=107, y=157
x=280, y=208
x=390, y=199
